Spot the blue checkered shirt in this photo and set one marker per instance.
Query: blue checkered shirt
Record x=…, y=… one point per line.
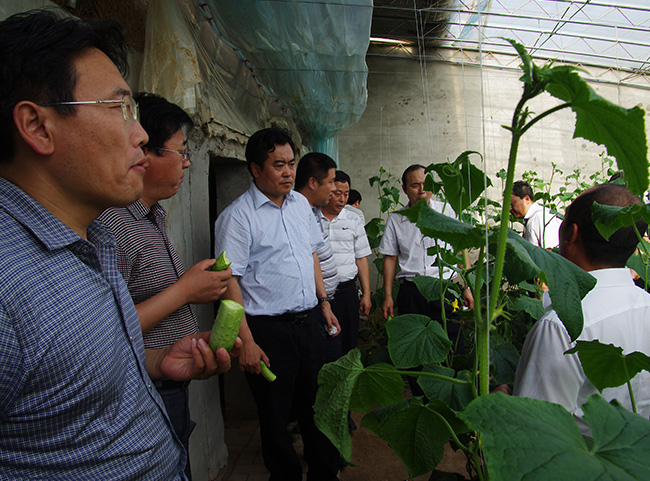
x=75, y=399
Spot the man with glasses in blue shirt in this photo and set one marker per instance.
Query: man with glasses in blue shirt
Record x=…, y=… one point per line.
x=160, y=287
x=77, y=400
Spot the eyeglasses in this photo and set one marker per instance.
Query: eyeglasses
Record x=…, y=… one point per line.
x=130, y=109
x=184, y=153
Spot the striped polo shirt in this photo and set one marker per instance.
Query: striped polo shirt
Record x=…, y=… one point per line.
x=149, y=264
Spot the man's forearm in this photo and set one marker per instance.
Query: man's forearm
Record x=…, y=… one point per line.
x=364, y=275
x=390, y=268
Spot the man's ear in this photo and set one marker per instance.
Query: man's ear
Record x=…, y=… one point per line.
x=312, y=183
x=255, y=170
x=33, y=123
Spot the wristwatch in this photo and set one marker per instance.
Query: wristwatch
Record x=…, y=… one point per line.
x=323, y=299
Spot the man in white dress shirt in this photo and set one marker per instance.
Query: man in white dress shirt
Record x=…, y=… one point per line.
x=615, y=312
x=402, y=241
x=541, y=227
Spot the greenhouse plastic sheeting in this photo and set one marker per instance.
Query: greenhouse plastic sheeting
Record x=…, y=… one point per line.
x=186, y=62
x=310, y=55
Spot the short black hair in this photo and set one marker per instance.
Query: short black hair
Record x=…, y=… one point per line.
x=313, y=164
x=342, y=177
x=37, y=53
x=355, y=195
x=522, y=189
x=263, y=142
x=621, y=245
x=160, y=118
x=410, y=169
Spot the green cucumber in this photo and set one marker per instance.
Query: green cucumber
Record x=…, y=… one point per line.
x=226, y=325
x=221, y=263
x=266, y=372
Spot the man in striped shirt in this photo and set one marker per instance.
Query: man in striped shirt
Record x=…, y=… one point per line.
x=160, y=287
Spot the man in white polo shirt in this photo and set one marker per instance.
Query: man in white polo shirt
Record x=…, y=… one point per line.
x=351, y=250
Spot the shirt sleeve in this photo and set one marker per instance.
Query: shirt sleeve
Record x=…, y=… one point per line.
x=232, y=234
x=388, y=245
x=11, y=364
x=544, y=371
x=361, y=244
x=315, y=232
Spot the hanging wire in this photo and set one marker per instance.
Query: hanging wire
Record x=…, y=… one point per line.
x=419, y=27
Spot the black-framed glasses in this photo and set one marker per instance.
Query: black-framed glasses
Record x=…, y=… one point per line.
x=185, y=153
x=130, y=109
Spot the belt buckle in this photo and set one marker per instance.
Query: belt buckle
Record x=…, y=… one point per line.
x=299, y=318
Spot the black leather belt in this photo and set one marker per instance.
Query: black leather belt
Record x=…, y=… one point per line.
x=170, y=384
x=292, y=317
x=346, y=284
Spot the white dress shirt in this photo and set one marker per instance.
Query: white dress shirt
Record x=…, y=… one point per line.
x=349, y=241
x=403, y=239
x=615, y=312
x=271, y=250
x=541, y=227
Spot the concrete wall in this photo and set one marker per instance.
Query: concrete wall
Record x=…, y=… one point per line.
x=189, y=226
x=432, y=113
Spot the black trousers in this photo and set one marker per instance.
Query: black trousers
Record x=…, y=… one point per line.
x=175, y=396
x=295, y=349
x=346, y=310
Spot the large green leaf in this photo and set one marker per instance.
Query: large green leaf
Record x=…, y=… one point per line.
x=379, y=384
x=337, y=383
x=610, y=218
x=533, y=307
x=529, y=439
x=605, y=365
x=505, y=357
x=620, y=130
x=439, y=226
x=456, y=396
x=414, y=340
x=416, y=432
x=567, y=283
x=636, y=263
x=430, y=287
x=463, y=182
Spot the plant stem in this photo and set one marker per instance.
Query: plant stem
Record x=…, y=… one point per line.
x=451, y=431
x=517, y=129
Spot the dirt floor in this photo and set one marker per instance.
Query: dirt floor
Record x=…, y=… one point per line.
x=374, y=460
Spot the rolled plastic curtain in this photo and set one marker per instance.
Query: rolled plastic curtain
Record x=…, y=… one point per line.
x=309, y=54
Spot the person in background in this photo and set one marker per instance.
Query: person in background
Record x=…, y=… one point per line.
x=403, y=244
x=354, y=204
x=615, y=312
x=76, y=394
x=160, y=287
x=541, y=227
x=351, y=250
x=271, y=236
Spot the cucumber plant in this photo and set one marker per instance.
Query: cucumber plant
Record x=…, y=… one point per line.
x=504, y=437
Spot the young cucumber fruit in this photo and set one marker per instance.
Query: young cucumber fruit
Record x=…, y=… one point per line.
x=226, y=325
x=221, y=263
x=266, y=372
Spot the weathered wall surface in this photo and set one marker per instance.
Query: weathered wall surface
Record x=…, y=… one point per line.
x=460, y=107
